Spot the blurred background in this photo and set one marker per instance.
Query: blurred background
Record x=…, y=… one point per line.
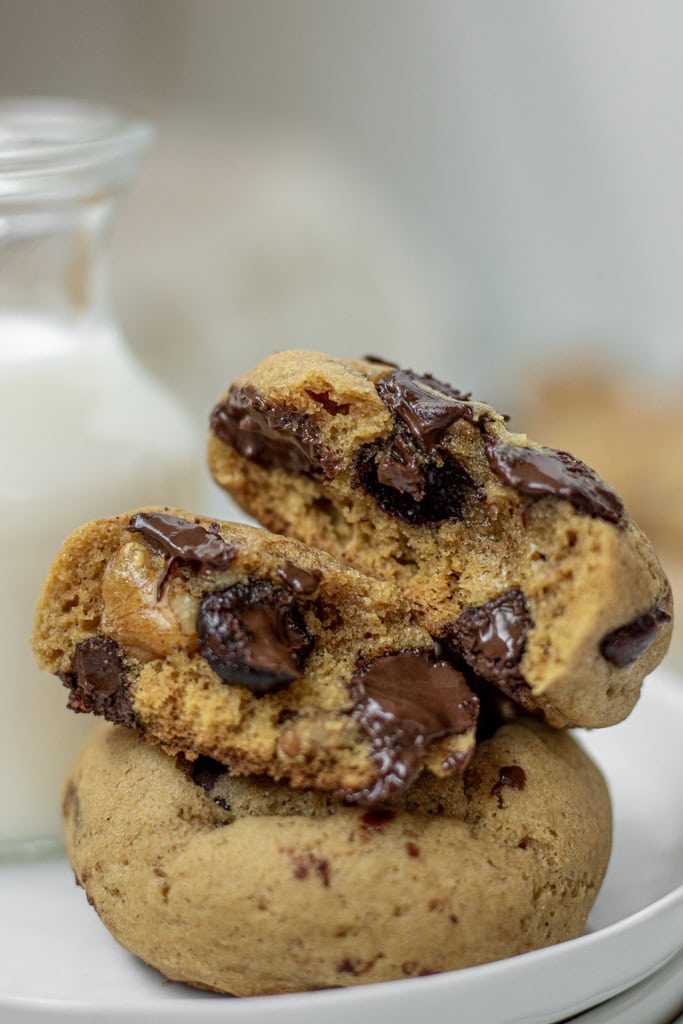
x=487, y=190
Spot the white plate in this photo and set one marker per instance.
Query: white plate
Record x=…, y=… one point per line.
x=57, y=962
x=657, y=1000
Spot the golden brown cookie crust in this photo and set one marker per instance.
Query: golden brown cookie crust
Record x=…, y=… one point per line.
x=582, y=576
x=286, y=891
x=111, y=597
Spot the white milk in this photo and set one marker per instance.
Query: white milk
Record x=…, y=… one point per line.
x=84, y=432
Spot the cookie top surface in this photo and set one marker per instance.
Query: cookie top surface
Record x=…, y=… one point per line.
x=222, y=640
x=247, y=886
x=518, y=556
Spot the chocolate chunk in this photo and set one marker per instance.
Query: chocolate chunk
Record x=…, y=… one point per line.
x=623, y=645
x=253, y=634
x=511, y=776
x=418, y=491
x=492, y=637
x=425, y=405
x=98, y=681
x=405, y=701
x=543, y=472
x=272, y=435
x=299, y=581
x=380, y=360
x=490, y=641
x=182, y=541
x=401, y=469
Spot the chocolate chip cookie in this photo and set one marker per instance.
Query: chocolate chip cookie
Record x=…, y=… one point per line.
x=246, y=886
x=222, y=640
x=519, y=558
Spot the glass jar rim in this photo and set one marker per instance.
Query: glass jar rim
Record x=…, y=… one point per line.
x=51, y=146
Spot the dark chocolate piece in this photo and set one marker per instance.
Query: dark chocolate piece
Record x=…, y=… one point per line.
x=512, y=777
x=425, y=405
x=401, y=469
x=254, y=635
x=419, y=492
x=543, y=472
x=272, y=435
x=377, y=817
x=623, y=645
x=182, y=541
x=405, y=701
x=98, y=681
x=300, y=581
x=490, y=641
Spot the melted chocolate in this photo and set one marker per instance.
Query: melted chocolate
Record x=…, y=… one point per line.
x=272, y=435
x=425, y=405
x=490, y=641
x=401, y=469
x=543, y=472
x=98, y=681
x=410, y=476
x=404, y=702
x=417, y=490
x=300, y=581
x=491, y=638
x=512, y=777
x=625, y=644
x=254, y=635
x=182, y=541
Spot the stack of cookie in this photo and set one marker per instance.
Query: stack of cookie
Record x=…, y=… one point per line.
x=354, y=765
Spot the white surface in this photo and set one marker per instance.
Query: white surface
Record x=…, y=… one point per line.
x=80, y=437
x=57, y=962
x=653, y=1001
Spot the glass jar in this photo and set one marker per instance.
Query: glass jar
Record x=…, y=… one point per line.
x=85, y=431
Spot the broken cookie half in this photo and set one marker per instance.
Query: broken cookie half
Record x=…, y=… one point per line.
x=222, y=640
x=517, y=557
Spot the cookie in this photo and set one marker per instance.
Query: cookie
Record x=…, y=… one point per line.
x=246, y=886
x=519, y=558
x=592, y=411
x=223, y=640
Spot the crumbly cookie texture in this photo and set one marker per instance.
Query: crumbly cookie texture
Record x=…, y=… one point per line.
x=246, y=886
x=223, y=640
x=592, y=410
x=519, y=558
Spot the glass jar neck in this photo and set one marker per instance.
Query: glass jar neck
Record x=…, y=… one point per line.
x=54, y=259
x=63, y=164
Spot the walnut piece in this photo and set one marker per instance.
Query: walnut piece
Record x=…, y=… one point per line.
x=146, y=627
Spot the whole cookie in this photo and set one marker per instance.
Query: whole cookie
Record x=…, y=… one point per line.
x=247, y=886
x=519, y=558
x=223, y=640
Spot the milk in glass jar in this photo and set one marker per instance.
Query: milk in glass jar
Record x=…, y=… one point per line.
x=84, y=430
